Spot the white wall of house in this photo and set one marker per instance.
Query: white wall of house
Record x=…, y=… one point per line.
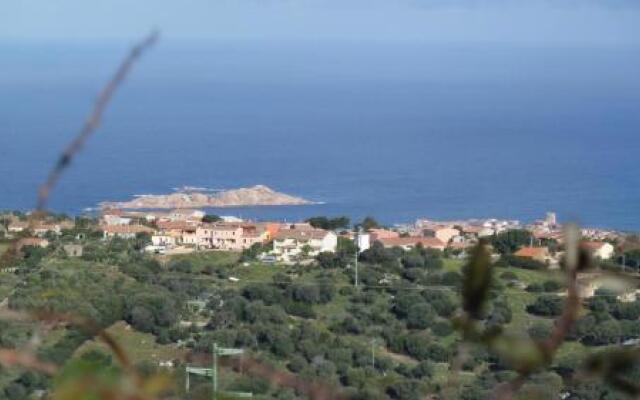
x=111, y=235
x=291, y=248
x=190, y=238
x=329, y=242
x=116, y=220
x=486, y=232
x=363, y=242
x=223, y=237
x=163, y=240
x=605, y=252
x=15, y=228
x=228, y=238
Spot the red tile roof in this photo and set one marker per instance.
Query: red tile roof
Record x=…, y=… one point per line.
x=532, y=252
x=124, y=229
x=412, y=241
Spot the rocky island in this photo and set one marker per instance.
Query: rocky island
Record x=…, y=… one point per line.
x=258, y=195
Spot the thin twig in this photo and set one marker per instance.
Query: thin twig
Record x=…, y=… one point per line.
x=12, y=358
x=572, y=304
x=564, y=323
x=453, y=379
x=93, y=122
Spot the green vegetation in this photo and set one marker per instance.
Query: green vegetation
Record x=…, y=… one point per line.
x=208, y=218
x=140, y=347
x=331, y=224
x=391, y=337
x=510, y=241
x=368, y=223
x=3, y=247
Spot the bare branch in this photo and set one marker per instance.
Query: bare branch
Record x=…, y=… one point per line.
x=572, y=304
x=93, y=122
x=12, y=357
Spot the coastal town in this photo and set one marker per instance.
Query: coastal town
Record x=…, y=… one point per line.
x=183, y=231
x=187, y=269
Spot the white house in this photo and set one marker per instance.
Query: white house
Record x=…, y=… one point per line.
x=185, y=214
x=116, y=220
x=42, y=228
x=442, y=233
x=486, y=232
x=601, y=250
x=17, y=226
x=125, y=231
x=73, y=250
x=163, y=240
x=292, y=244
x=363, y=241
x=220, y=236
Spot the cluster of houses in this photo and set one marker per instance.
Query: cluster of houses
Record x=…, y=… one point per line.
x=188, y=230
x=440, y=235
x=37, y=233
x=38, y=228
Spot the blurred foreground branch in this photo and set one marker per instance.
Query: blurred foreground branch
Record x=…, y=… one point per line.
x=12, y=357
x=94, y=119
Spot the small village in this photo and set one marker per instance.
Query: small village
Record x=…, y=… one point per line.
x=188, y=230
x=184, y=231
x=394, y=288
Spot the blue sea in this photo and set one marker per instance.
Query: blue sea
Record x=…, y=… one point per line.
x=395, y=130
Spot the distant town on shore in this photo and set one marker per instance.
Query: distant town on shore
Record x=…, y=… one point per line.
x=183, y=230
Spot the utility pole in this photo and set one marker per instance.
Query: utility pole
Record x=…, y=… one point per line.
x=214, y=368
x=356, y=259
x=356, y=268
x=373, y=354
x=213, y=372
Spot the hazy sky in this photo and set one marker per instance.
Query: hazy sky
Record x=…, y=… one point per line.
x=538, y=22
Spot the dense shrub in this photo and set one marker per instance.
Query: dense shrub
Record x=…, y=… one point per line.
x=546, y=305
x=535, y=288
x=442, y=328
x=539, y=331
x=420, y=316
x=509, y=276
x=509, y=241
x=551, y=286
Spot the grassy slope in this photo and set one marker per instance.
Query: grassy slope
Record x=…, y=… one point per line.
x=3, y=247
x=137, y=345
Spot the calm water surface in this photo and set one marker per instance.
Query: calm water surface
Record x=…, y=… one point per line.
x=395, y=131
